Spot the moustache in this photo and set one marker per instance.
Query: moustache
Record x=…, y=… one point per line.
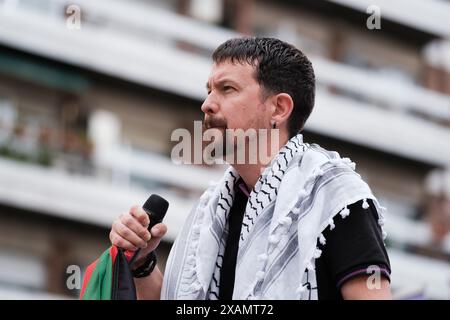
x=214, y=123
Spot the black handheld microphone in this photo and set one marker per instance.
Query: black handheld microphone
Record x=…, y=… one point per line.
x=156, y=208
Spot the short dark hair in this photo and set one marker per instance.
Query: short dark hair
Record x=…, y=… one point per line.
x=280, y=67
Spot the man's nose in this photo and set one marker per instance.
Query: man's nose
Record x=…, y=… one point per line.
x=210, y=106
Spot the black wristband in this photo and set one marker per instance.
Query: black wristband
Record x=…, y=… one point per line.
x=147, y=267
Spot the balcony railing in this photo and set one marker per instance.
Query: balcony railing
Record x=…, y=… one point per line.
x=430, y=16
x=108, y=42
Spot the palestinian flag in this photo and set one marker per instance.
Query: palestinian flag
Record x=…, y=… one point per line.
x=109, y=277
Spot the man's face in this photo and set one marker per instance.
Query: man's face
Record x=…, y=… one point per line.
x=234, y=99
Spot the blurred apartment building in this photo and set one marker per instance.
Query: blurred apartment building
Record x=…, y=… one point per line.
x=87, y=108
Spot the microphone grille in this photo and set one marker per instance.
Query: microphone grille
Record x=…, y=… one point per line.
x=156, y=205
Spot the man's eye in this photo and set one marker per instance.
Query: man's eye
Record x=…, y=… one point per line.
x=227, y=88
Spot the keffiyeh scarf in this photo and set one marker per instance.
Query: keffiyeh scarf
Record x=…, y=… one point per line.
x=292, y=203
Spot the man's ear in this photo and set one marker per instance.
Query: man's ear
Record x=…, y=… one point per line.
x=283, y=106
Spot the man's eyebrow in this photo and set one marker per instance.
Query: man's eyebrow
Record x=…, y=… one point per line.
x=221, y=82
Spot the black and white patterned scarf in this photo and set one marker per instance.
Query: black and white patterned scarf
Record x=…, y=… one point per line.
x=292, y=203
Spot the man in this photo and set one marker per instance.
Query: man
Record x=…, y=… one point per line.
x=304, y=226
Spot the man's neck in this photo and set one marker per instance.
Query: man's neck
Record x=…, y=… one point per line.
x=250, y=173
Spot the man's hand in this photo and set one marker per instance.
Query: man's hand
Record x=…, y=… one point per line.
x=130, y=232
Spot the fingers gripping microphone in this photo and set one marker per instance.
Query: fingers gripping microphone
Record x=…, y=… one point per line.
x=156, y=208
x=123, y=286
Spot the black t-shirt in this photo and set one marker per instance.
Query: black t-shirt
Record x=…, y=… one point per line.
x=351, y=247
x=227, y=273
